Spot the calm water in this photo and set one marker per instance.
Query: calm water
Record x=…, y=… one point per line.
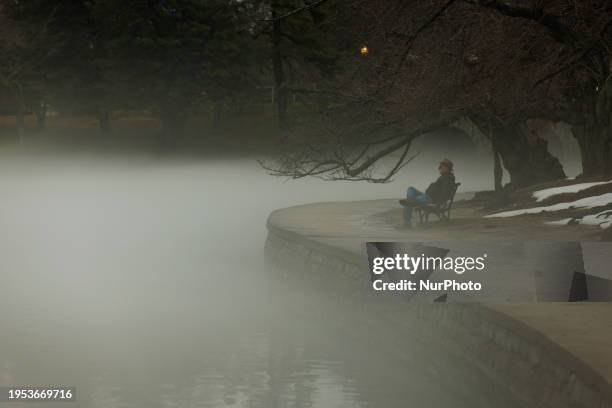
x=140, y=282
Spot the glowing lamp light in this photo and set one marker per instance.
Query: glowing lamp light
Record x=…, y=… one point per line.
x=364, y=50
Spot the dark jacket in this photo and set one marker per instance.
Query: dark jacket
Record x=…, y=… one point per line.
x=441, y=190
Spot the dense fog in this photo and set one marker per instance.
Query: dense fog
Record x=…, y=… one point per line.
x=140, y=281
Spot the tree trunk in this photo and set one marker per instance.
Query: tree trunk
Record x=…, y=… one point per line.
x=523, y=153
x=525, y=156
x=104, y=120
x=41, y=116
x=498, y=171
x=594, y=149
x=592, y=128
x=20, y=114
x=280, y=87
x=20, y=123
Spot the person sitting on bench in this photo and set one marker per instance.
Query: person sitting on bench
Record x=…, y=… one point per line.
x=438, y=192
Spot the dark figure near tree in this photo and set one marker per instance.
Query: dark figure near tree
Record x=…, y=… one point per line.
x=438, y=192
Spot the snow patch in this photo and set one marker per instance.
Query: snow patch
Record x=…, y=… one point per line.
x=587, y=202
x=602, y=219
x=574, y=188
x=564, y=221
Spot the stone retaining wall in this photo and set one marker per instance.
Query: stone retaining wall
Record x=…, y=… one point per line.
x=509, y=357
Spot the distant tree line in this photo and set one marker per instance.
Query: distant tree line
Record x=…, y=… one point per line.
x=370, y=76
x=169, y=57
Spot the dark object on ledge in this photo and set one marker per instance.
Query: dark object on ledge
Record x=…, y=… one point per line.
x=442, y=211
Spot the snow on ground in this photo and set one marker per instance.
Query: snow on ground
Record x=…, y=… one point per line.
x=603, y=219
x=587, y=202
x=574, y=188
x=564, y=221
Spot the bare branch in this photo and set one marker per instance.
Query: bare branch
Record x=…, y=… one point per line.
x=298, y=10
x=270, y=21
x=557, y=29
x=412, y=38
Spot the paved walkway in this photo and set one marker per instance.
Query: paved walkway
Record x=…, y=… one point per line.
x=582, y=329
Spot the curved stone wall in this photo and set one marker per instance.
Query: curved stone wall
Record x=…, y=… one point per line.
x=502, y=355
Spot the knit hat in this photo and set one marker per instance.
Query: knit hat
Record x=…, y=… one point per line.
x=448, y=164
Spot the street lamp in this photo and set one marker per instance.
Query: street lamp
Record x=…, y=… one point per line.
x=364, y=50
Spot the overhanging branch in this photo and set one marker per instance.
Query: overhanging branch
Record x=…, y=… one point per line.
x=559, y=31
x=350, y=161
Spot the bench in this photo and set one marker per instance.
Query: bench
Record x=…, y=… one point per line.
x=442, y=211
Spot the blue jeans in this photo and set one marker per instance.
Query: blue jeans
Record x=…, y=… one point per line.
x=419, y=197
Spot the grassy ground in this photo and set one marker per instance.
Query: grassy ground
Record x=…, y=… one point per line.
x=523, y=199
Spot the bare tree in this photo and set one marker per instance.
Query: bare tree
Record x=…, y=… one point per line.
x=584, y=30
x=297, y=32
x=23, y=54
x=427, y=65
